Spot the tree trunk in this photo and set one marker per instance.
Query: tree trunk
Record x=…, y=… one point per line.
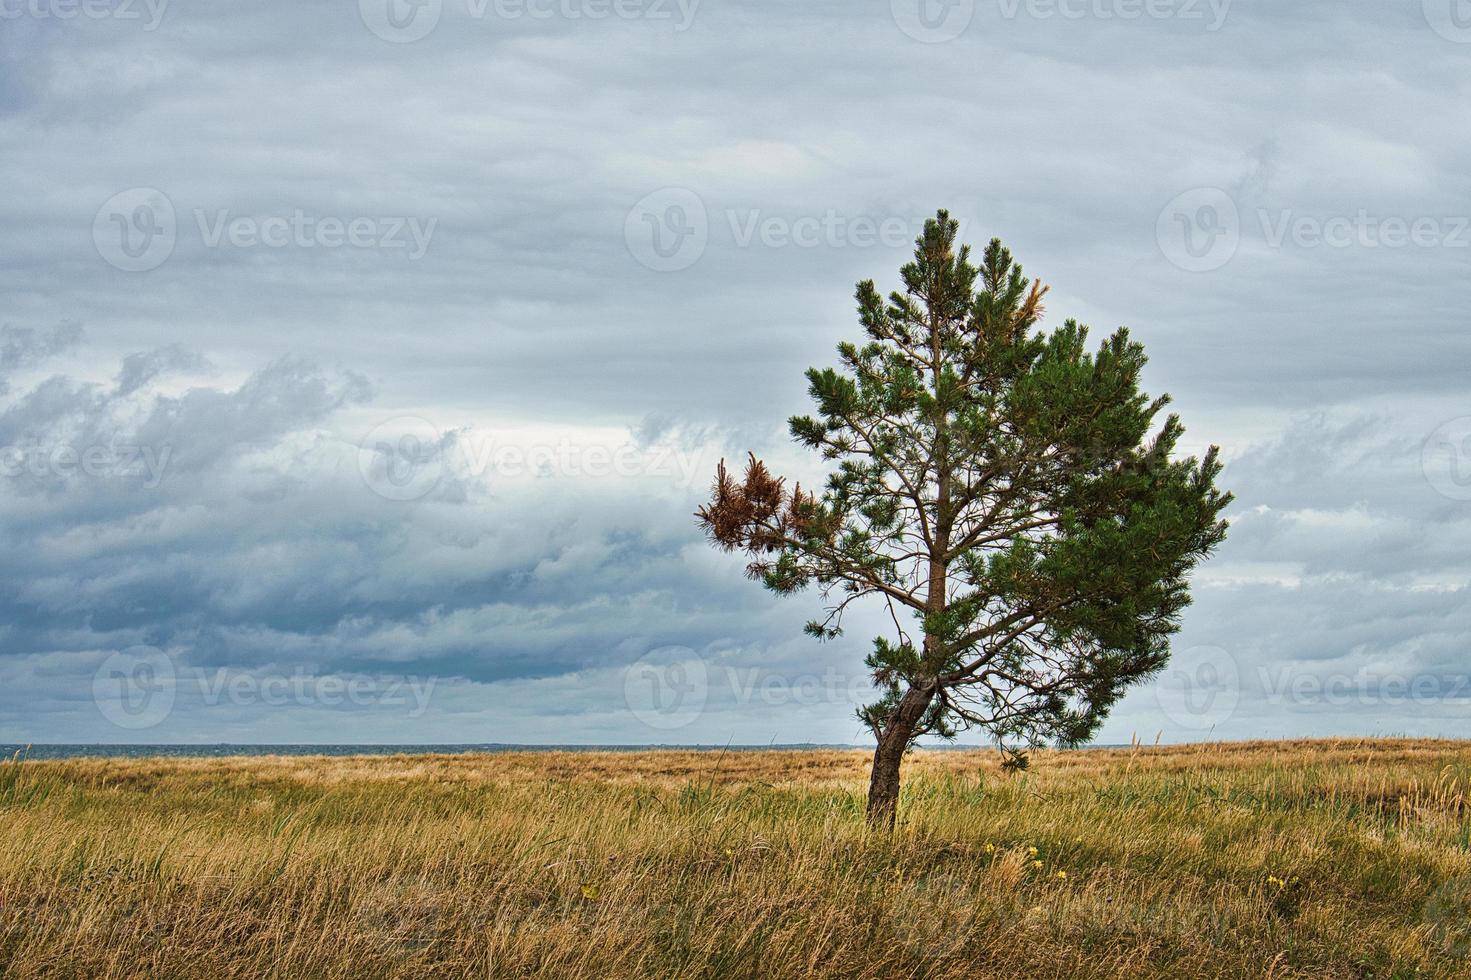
x=883, y=783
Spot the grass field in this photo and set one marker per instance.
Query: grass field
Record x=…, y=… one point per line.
x=1304, y=859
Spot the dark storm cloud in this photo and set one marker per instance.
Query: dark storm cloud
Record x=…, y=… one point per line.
x=234, y=526
x=451, y=229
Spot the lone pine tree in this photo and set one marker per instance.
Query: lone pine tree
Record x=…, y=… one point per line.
x=1004, y=490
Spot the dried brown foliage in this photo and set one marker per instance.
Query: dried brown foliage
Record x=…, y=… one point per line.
x=756, y=515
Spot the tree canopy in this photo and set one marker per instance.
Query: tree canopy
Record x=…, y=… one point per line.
x=1010, y=493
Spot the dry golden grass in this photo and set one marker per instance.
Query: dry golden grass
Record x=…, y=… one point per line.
x=1304, y=859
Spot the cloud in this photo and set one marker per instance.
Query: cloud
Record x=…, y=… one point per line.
x=1339, y=601
x=243, y=528
x=242, y=399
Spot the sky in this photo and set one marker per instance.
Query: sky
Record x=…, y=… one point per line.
x=362, y=363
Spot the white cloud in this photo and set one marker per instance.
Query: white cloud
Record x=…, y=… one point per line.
x=527, y=323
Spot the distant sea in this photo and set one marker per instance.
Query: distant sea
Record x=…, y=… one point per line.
x=210, y=751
